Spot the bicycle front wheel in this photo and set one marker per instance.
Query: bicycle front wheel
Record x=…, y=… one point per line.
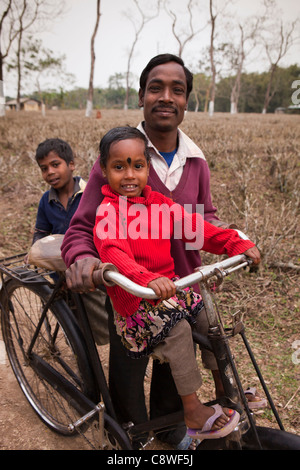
x=54, y=374
x=272, y=439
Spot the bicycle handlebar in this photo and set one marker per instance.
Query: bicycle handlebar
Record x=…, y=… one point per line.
x=221, y=268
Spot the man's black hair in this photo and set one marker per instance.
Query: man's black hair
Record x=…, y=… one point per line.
x=58, y=146
x=164, y=59
x=116, y=135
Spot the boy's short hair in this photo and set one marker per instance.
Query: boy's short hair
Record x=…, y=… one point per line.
x=58, y=146
x=116, y=135
x=164, y=59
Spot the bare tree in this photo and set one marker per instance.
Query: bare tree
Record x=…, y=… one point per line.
x=212, y=86
x=248, y=32
x=89, y=103
x=24, y=15
x=183, y=37
x=16, y=15
x=4, y=48
x=200, y=90
x=41, y=65
x=276, y=50
x=3, y=53
x=138, y=28
x=215, y=10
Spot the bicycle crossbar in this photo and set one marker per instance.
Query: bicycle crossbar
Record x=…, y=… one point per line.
x=202, y=273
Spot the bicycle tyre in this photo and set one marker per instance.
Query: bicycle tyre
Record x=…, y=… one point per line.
x=59, y=352
x=272, y=439
x=269, y=438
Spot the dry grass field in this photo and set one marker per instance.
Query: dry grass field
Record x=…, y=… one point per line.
x=255, y=165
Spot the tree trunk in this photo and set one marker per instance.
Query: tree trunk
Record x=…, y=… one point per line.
x=212, y=87
x=233, y=107
x=269, y=95
x=235, y=92
x=2, y=97
x=89, y=103
x=18, y=105
x=89, y=107
x=2, y=100
x=2, y=55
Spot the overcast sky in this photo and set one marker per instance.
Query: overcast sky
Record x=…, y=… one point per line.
x=71, y=35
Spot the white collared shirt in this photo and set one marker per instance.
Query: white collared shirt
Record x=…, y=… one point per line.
x=170, y=176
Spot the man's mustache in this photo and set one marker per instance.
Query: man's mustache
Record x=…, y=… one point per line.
x=165, y=108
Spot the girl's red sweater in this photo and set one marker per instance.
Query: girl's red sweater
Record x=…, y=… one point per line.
x=128, y=234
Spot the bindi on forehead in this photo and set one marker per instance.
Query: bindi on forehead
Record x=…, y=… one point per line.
x=129, y=160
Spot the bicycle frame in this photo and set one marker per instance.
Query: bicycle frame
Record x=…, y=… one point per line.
x=217, y=341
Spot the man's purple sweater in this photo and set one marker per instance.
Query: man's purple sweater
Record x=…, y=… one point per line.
x=193, y=189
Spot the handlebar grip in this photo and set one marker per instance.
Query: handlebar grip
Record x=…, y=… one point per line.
x=99, y=274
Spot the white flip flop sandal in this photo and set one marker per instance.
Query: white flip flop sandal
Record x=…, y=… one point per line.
x=207, y=433
x=256, y=404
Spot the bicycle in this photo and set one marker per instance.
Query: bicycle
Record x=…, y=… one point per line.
x=53, y=355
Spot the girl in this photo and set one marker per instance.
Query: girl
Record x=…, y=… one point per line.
x=124, y=235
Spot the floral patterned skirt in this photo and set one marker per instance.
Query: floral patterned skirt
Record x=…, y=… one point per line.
x=150, y=324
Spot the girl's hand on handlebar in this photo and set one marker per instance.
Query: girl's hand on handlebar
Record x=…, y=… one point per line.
x=254, y=254
x=163, y=287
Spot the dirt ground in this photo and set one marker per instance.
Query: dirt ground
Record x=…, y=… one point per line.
x=260, y=196
x=22, y=429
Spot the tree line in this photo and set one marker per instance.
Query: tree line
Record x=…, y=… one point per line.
x=252, y=92
x=235, y=42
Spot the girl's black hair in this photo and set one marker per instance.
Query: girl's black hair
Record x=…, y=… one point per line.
x=116, y=135
x=58, y=146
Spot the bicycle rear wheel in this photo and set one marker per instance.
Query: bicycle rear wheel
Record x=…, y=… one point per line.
x=55, y=375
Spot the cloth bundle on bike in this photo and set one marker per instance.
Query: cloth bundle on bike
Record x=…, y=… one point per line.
x=45, y=253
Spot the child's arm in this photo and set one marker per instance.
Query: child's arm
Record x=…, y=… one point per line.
x=116, y=250
x=165, y=288
x=214, y=239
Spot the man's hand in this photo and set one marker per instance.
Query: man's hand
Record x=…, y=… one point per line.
x=254, y=254
x=79, y=275
x=163, y=287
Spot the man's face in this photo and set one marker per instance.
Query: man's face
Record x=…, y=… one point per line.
x=164, y=98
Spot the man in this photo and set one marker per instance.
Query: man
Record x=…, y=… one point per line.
x=178, y=170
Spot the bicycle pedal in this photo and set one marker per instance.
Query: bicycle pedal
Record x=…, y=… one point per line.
x=77, y=424
x=237, y=323
x=238, y=328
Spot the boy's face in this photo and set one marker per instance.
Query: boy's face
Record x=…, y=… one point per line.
x=127, y=168
x=56, y=171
